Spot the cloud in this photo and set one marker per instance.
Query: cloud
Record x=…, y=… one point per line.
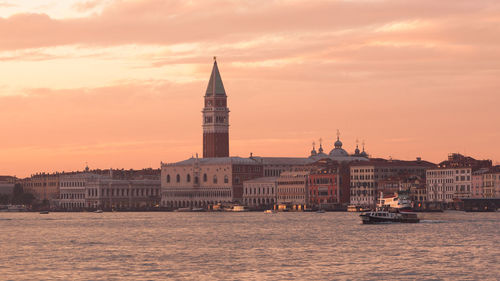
x=174, y=22
x=6, y=5
x=127, y=80
x=87, y=5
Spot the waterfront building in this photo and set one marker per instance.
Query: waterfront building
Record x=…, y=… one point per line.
x=260, y=192
x=452, y=179
x=215, y=117
x=108, y=193
x=292, y=187
x=446, y=184
x=323, y=187
x=7, y=184
x=73, y=189
x=44, y=187
x=477, y=183
x=491, y=183
x=366, y=176
x=418, y=191
x=274, y=166
x=201, y=182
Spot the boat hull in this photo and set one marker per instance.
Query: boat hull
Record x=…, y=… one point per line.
x=386, y=217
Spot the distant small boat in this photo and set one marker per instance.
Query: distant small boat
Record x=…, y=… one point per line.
x=98, y=211
x=269, y=212
x=197, y=210
x=44, y=212
x=237, y=208
x=354, y=208
x=12, y=208
x=320, y=211
x=183, y=210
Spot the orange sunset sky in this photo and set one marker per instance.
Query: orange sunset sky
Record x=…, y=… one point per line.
x=120, y=83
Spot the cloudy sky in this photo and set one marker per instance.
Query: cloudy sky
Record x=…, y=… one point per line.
x=119, y=83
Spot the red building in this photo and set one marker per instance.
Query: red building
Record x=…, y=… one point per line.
x=215, y=118
x=323, y=187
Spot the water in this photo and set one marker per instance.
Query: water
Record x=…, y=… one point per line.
x=247, y=246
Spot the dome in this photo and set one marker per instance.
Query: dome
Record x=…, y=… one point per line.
x=338, y=144
x=356, y=151
x=322, y=155
x=337, y=151
x=364, y=154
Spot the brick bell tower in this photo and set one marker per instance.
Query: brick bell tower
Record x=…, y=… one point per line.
x=215, y=118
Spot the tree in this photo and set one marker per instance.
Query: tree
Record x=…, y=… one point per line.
x=4, y=199
x=27, y=198
x=19, y=197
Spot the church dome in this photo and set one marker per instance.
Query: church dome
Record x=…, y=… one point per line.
x=338, y=152
x=338, y=144
x=356, y=151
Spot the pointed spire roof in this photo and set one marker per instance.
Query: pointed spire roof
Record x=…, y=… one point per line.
x=215, y=86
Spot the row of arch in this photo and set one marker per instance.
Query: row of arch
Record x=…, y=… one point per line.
x=258, y=201
x=196, y=180
x=188, y=203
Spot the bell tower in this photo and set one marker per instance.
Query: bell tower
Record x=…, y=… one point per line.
x=215, y=118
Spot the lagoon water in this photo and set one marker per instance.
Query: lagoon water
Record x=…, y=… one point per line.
x=247, y=246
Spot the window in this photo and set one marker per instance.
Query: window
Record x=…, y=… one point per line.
x=215, y=179
x=178, y=178
x=226, y=179
x=168, y=178
x=204, y=177
x=188, y=178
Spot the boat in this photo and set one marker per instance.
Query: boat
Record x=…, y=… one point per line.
x=98, y=211
x=197, y=210
x=320, y=211
x=183, y=210
x=388, y=217
x=399, y=201
x=44, y=212
x=236, y=208
x=13, y=208
x=269, y=212
x=355, y=208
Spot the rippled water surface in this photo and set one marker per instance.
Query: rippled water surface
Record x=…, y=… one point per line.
x=247, y=246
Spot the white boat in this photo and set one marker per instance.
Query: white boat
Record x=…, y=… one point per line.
x=236, y=208
x=98, y=211
x=398, y=201
x=388, y=217
x=355, y=208
x=13, y=208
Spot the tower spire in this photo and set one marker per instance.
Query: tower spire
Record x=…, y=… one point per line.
x=356, y=151
x=215, y=117
x=215, y=85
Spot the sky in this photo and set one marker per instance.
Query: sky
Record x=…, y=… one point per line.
x=120, y=83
